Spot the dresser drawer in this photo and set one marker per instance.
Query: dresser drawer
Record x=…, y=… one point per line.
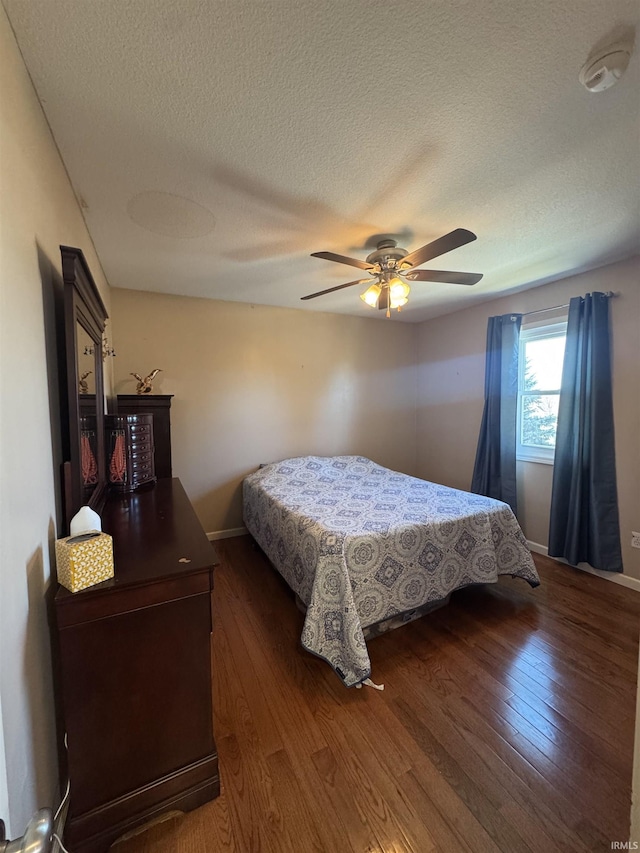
x=142, y=470
x=140, y=429
x=141, y=444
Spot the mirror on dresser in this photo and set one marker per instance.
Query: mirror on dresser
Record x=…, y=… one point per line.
x=85, y=316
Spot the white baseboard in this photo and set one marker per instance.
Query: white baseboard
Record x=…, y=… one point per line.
x=616, y=577
x=227, y=534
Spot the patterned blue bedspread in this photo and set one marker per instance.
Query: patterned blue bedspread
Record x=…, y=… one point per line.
x=359, y=543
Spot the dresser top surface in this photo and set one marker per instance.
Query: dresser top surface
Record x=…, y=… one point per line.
x=156, y=535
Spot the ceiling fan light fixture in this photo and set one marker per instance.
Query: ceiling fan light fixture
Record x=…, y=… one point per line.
x=398, y=289
x=371, y=295
x=398, y=293
x=398, y=303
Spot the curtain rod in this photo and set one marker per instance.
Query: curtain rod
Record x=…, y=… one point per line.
x=609, y=294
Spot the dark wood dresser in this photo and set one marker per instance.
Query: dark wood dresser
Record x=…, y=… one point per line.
x=135, y=658
x=159, y=405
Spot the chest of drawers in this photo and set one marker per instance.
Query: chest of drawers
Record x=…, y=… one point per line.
x=135, y=672
x=159, y=405
x=130, y=451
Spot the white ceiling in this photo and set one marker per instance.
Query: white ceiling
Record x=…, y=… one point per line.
x=249, y=134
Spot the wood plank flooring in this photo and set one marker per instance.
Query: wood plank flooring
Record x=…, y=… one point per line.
x=506, y=724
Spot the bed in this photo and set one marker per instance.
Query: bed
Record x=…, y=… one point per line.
x=361, y=545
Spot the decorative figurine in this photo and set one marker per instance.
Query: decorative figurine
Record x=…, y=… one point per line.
x=144, y=385
x=83, y=385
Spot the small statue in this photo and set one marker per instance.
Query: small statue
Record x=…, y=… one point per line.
x=83, y=385
x=144, y=385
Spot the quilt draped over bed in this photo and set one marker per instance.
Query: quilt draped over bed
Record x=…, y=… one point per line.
x=359, y=543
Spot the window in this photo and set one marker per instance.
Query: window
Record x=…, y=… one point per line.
x=539, y=379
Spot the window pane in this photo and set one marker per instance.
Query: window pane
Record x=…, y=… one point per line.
x=543, y=364
x=539, y=419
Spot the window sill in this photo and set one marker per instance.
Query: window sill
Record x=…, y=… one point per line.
x=542, y=460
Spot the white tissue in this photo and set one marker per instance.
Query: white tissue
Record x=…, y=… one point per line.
x=85, y=521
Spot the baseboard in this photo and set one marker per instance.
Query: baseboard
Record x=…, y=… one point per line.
x=227, y=534
x=616, y=577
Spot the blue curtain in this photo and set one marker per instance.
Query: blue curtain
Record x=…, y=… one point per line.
x=584, y=525
x=494, y=472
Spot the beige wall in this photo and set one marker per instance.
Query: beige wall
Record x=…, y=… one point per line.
x=451, y=388
x=254, y=384
x=38, y=211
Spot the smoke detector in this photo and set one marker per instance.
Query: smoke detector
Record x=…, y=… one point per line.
x=605, y=68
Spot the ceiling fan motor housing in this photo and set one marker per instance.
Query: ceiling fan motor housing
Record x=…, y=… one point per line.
x=387, y=251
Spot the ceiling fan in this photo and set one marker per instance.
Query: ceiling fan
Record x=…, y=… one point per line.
x=390, y=265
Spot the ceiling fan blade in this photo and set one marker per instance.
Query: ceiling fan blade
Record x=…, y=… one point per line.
x=342, y=259
x=383, y=299
x=441, y=246
x=444, y=276
x=339, y=287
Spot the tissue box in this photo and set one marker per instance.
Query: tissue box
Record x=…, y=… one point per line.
x=83, y=561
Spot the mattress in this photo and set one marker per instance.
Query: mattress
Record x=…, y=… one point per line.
x=361, y=544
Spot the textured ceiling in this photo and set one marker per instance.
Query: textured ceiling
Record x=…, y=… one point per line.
x=214, y=144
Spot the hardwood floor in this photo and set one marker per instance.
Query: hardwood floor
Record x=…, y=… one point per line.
x=506, y=724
